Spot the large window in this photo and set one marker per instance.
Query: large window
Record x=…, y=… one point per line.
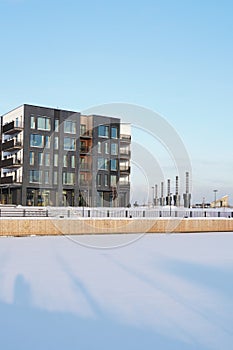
x=114, y=132
x=99, y=147
x=40, y=158
x=65, y=161
x=55, y=178
x=106, y=180
x=32, y=122
x=113, y=164
x=56, y=125
x=103, y=131
x=47, y=159
x=72, y=161
x=31, y=158
x=102, y=163
x=56, y=142
x=106, y=148
x=70, y=127
x=55, y=160
x=47, y=141
x=35, y=176
x=99, y=179
x=69, y=144
x=43, y=123
x=83, y=129
x=113, y=180
x=46, y=177
x=36, y=140
x=68, y=178
x=114, y=149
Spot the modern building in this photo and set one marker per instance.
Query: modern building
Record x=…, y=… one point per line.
x=63, y=158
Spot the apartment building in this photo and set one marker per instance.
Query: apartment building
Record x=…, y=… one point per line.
x=63, y=158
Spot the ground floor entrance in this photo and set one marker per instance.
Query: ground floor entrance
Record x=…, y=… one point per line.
x=10, y=195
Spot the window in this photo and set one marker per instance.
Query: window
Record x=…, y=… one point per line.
x=69, y=144
x=114, y=132
x=36, y=140
x=106, y=148
x=43, y=123
x=113, y=180
x=103, y=131
x=56, y=140
x=46, y=177
x=105, y=180
x=68, y=178
x=56, y=125
x=55, y=160
x=72, y=161
x=70, y=127
x=47, y=141
x=65, y=161
x=55, y=178
x=114, y=149
x=99, y=178
x=113, y=164
x=35, y=176
x=82, y=179
x=102, y=163
x=32, y=122
x=47, y=159
x=40, y=158
x=99, y=147
x=31, y=158
x=83, y=163
x=83, y=129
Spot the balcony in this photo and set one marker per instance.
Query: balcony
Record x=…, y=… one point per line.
x=11, y=163
x=12, y=145
x=125, y=138
x=8, y=180
x=86, y=135
x=125, y=153
x=85, y=167
x=85, y=149
x=85, y=183
x=12, y=128
x=125, y=169
x=124, y=183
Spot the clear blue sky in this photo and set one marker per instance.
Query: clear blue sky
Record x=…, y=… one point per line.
x=174, y=57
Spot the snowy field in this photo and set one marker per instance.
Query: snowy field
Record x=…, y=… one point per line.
x=118, y=292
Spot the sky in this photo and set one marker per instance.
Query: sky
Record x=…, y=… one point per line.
x=172, y=57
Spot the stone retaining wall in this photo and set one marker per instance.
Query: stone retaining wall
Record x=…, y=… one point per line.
x=48, y=226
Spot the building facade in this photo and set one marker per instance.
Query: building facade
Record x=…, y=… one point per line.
x=62, y=158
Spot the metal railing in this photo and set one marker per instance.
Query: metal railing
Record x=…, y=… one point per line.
x=16, y=212
x=87, y=212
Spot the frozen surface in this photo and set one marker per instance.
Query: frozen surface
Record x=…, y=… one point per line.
x=152, y=292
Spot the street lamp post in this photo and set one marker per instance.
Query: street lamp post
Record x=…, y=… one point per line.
x=215, y=192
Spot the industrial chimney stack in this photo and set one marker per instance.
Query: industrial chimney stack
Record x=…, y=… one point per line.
x=162, y=199
x=187, y=195
x=176, y=197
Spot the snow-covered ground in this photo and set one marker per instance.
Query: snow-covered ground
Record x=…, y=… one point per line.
x=152, y=292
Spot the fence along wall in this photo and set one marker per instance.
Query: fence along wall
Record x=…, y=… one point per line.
x=86, y=212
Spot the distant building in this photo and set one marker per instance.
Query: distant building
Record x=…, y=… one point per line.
x=62, y=158
x=221, y=202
